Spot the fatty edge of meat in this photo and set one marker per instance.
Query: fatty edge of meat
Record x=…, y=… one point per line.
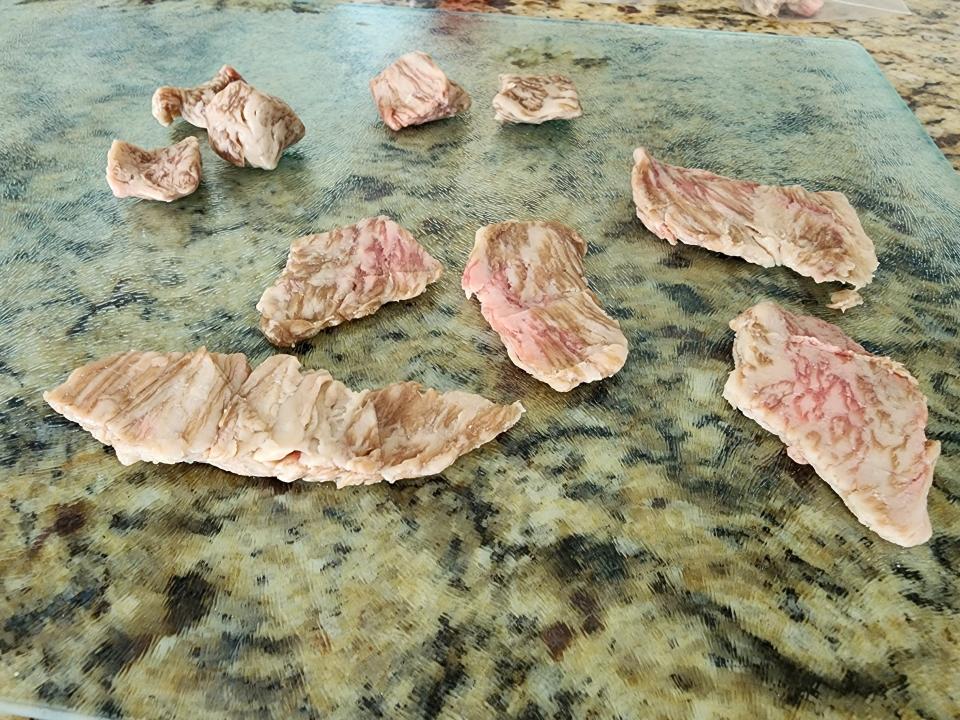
x=816, y=234
x=274, y=421
x=341, y=275
x=858, y=419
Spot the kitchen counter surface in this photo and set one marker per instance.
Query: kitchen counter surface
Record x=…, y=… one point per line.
x=594, y=562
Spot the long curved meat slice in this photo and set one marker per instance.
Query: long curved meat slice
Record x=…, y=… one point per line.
x=249, y=127
x=341, y=275
x=274, y=421
x=817, y=234
x=528, y=276
x=857, y=418
x=414, y=90
x=164, y=174
x=169, y=103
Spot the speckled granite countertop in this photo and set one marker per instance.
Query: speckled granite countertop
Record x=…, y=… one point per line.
x=634, y=548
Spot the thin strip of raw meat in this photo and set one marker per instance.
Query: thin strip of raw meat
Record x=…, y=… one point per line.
x=341, y=275
x=857, y=418
x=164, y=174
x=274, y=421
x=817, y=234
x=529, y=279
x=414, y=90
x=170, y=103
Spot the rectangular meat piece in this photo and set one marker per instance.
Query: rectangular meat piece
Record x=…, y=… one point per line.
x=164, y=174
x=857, y=418
x=341, y=275
x=529, y=279
x=535, y=99
x=414, y=90
x=817, y=234
x=274, y=421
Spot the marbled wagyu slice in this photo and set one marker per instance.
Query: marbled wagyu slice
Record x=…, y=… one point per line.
x=535, y=99
x=341, y=275
x=857, y=418
x=529, y=279
x=164, y=174
x=817, y=234
x=274, y=421
x=414, y=90
x=170, y=103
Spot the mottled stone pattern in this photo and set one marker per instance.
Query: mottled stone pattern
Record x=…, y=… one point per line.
x=634, y=548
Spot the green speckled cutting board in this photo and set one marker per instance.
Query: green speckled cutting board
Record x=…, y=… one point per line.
x=633, y=549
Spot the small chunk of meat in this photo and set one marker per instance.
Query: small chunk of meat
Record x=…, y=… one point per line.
x=164, y=174
x=156, y=407
x=771, y=8
x=341, y=275
x=275, y=421
x=170, y=103
x=529, y=279
x=535, y=99
x=414, y=90
x=817, y=234
x=843, y=300
x=249, y=127
x=858, y=419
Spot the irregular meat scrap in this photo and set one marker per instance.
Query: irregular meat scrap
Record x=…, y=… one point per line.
x=341, y=275
x=843, y=300
x=817, y=234
x=857, y=418
x=535, y=99
x=157, y=407
x=190, y=103
x=163, y=174
x=414, y=90
x=276, y=421
x=803, y=8
x=249, y=127
x=529, y=279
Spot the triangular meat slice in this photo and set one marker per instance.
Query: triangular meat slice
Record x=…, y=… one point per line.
x=276, y=421
x=857, y=418
x=170, y=103
x=817, y=234
x=529, y=279
x=157, y=407
x=341, y=275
